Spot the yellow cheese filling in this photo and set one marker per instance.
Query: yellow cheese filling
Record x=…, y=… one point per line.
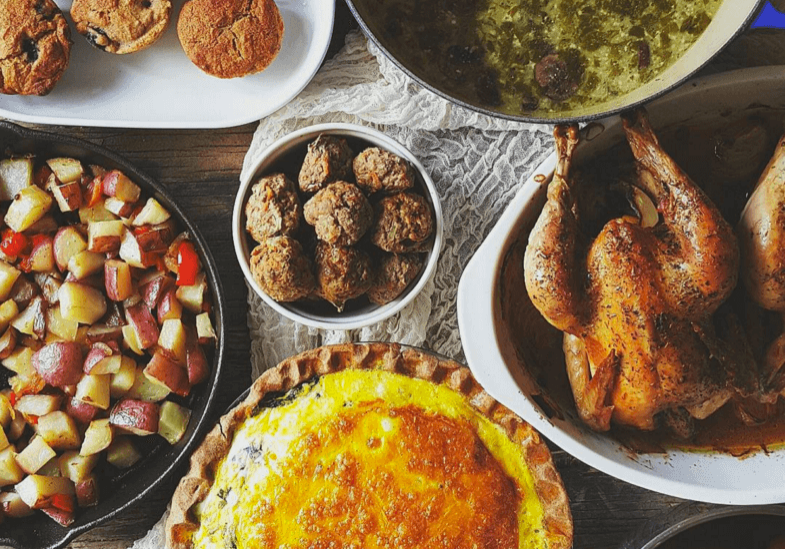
x=370, y=459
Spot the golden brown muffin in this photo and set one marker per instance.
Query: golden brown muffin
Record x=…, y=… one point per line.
x=121, y=26
x=35, y=44
x=230, y=38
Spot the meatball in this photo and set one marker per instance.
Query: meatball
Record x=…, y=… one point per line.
x=341, y=273
x=339, y=213
x=555, y=77
x=403, y=223
x=282, y=269
x=328, y=159
x=274, y=209
x=379, y=170
x=394, y=272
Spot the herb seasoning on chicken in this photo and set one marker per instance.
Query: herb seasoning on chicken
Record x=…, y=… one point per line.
x=636, y=303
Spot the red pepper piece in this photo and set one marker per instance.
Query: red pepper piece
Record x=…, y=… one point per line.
x=64, y=502
x=94, y=192
x=187, y=264
x=13, y=243
x=12, y=398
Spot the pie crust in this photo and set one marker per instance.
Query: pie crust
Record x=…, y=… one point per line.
x=194, y=487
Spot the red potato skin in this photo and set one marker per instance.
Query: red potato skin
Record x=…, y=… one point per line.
x=168, y=372
x=117, y=184
x=104, y=334
x=117, y=275
x=153, y=291
x=63, y=249
x=142, y=321
x=60, y=363
x=87, y=493
x=195, y=360
x=82, y=412
x=42, y=257
x=137, y=416
x=168, y=304
x=96, y=354
x=155, y=238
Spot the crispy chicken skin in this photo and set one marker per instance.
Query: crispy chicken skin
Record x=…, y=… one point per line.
x=633, y=300
x=761, y=232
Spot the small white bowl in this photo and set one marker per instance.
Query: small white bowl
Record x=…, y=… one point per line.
x=286, y=155
x=714, y=477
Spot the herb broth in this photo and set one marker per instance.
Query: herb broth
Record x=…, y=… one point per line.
x=610, y=47
x=487, y=52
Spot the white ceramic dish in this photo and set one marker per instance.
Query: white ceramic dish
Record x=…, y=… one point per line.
x=286, y=155
x=159, y=87
x=710, y=477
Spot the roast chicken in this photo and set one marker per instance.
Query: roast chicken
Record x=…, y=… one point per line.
x=761, y=232
x=635, y=302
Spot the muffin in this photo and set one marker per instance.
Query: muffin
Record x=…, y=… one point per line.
x=282, y=269
x=35, y=45
x=328, y=159
x=230, y=38
x=341, y=273
x=121, y=26
x=378, y=170
x=273, y=209
x=403, y=223
x=339, y=213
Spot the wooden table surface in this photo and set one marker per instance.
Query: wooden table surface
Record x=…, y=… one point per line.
x=201, y=168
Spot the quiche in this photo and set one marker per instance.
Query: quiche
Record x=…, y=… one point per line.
x=370, y=446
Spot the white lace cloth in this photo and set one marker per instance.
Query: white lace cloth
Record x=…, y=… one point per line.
x=477, y=163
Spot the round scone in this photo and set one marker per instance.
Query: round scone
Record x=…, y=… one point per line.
x=230, y=38
x=371, y=445
x=121, y=26
x=35, y=45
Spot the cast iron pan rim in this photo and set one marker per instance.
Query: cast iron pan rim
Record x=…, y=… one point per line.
x=551, y=121
x=688, y=515
x=204, y=420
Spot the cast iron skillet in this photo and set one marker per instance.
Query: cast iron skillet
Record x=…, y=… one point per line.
x=126, y=488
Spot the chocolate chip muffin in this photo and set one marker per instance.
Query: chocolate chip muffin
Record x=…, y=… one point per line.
x=403, y=223
x=230, y=38
x=328, y=159
x=378, y=170
x=121, y=26
x=35, y=45
x=339, y=213
x=282, y=269
x=274, y=209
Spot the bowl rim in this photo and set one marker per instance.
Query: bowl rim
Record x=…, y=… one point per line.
x=62, y=535
x=296, y=138
x=476, y=313
x=757, y=9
